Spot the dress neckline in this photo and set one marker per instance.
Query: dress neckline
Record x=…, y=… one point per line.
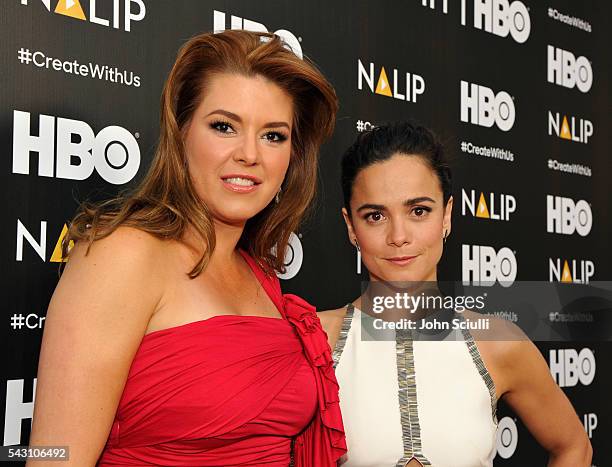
x=269, y=283
x=265, y=283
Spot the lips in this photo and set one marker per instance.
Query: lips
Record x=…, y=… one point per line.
x=252, y=178
x=240, y=183
x=401, y=260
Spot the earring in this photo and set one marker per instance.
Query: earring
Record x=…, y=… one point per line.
x=357, y=244
x=277, y=197
x=445, y=235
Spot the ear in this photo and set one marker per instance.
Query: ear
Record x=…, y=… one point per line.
x=349, y=226
x=446, y=221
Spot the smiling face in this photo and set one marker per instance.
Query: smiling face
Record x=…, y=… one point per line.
x=238, y=145
x=399, y=219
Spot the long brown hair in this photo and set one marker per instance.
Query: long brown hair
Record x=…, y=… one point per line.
x=165, y=203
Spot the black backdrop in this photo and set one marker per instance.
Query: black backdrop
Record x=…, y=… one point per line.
x=525, y=66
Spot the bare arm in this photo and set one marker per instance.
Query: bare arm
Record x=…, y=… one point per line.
x=95, y=322
x=544, y=407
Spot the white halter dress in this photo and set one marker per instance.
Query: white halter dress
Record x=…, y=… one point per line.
x=404, y=399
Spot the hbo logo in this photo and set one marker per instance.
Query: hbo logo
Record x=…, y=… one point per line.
x=507, y=438
x=294, y=255
x=486, y=266
x=568, y=71
x=568, y=366
x=564, y=216
x=481, y=106
x=113, y=152
x=219, y=24
x=500, y=17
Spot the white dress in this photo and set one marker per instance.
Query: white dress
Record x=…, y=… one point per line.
x=433, y=401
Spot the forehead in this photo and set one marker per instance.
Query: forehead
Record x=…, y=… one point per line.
x=247, y=94
x=395, y=180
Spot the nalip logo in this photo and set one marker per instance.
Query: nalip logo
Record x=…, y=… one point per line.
x=571, y=129
x=401, y=86
x=495, y=206
x=132, y=10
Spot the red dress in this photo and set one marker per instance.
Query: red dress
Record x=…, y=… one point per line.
x=232, y=391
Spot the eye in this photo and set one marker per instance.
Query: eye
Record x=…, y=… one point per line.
x=421, y=211
x=222, y=126
x=275, y=137
x=374, y=217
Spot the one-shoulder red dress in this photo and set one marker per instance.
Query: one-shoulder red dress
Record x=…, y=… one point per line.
x=232, y=391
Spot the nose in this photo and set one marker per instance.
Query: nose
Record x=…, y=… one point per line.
x=399, y=233
x=247, y=150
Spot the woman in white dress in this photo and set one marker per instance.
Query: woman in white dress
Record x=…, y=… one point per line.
x=409, y=402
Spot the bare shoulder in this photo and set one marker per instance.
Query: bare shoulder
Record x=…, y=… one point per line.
x=127, y=253
x=501, y=346
x=126, y=266
x=117, y=283
x=331, y=320
x=95, y=322
x=497, y=329
x=125, y=244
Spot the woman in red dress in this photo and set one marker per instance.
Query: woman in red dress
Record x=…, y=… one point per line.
x=168, y=340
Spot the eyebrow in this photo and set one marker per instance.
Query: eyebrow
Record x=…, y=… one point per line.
x=407, y=203
x=237, y=118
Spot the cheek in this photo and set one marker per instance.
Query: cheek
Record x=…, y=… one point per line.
x=431, y=242
x=371, y=239
x=430, y=236
x=276, y=164
x=205, y=151
x=373, y=247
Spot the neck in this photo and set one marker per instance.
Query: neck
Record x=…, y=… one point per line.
x=226, y=241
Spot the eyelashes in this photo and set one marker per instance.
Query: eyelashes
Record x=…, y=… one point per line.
x=427, y=209
x=424, y=209
x=225, y=127
x=221, y=126
x=368, y=216
x=279, y=137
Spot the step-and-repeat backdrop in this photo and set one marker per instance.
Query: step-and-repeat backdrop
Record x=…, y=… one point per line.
x=517, y=90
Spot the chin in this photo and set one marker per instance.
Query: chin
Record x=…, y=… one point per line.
x=407, y=278
x=403, y=276
x=238, y=215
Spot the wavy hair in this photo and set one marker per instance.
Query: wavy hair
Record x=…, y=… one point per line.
x=165, y=202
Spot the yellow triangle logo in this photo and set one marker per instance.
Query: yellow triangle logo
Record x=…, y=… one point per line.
x=482, y=210
x=70, y=8
x=383, y=84
x=56, y=257
x=565, y=131
x=566, y=276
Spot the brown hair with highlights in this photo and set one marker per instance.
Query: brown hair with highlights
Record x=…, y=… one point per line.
x=165, y=203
